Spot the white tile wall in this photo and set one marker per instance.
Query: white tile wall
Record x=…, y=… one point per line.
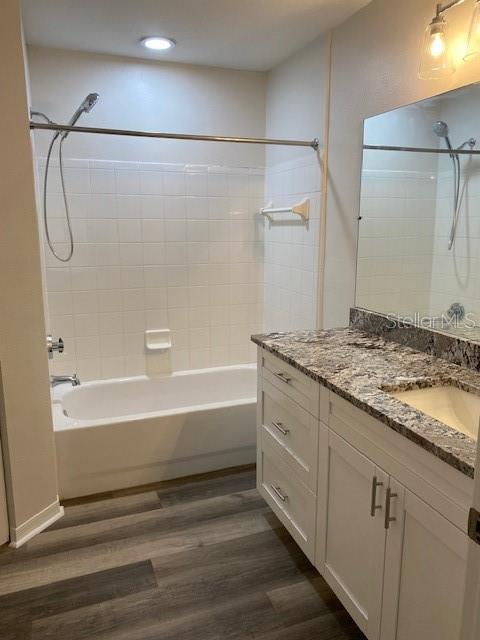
x=292, y=247
x=157, y=246
x=395, y=246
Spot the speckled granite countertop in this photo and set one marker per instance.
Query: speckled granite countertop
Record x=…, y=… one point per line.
x=358, y=365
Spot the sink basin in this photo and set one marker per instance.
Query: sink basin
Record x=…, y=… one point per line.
x=454, y=407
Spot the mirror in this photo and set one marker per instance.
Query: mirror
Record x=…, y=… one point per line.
x=419, y=230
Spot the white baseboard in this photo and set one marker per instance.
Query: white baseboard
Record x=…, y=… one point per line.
x=35, y=525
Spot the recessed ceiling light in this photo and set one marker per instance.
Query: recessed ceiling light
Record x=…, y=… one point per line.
x=158, y=43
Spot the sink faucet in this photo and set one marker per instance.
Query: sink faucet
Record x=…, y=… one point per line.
x=73, y=379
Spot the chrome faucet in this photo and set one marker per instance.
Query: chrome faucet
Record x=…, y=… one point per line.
x=56, y=380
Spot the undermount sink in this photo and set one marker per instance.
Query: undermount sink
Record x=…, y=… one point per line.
x=454, y=407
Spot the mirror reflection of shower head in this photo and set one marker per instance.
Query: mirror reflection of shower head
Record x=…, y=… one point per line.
x=86, y=106
x=440, y=128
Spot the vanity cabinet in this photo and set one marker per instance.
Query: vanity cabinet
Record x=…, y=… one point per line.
x=382, y=520
x=354, y=539
x=287, y=452
x=396, y=564
x=425, y=567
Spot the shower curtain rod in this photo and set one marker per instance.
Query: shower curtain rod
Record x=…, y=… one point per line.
x=314, y=144
x=464, y=152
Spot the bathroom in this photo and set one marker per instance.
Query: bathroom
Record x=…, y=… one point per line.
x=180, y=179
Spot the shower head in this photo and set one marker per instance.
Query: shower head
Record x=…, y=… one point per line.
x=440, y=128
x=86, y=106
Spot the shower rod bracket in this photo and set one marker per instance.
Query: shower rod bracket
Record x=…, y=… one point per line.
x=53, y=126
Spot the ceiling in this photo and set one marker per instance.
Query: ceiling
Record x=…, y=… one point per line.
x=241, y=34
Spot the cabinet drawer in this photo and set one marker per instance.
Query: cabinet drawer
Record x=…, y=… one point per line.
x=297, y=386
x=292, y=431
x=291, y=501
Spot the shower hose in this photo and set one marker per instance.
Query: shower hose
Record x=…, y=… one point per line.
x=69, y=255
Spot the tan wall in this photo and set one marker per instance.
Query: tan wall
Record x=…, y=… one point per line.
x=374, y=69
x=27, y=436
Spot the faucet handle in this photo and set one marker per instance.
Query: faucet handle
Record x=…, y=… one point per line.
x=53, y=346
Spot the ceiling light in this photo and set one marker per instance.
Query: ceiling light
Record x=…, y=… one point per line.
x=158, y=43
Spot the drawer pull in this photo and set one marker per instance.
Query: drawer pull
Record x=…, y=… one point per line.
x=388, y=518
x=281, y=428
x=279, y=493
x=374, y=506
x=283, y=377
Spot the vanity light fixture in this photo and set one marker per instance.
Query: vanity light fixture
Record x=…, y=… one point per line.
x=473, y=47
x=158, y=43
x=436, y=61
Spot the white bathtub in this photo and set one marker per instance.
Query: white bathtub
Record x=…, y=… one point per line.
x=120, y=433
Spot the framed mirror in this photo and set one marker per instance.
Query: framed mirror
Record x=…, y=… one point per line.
x=418, y=256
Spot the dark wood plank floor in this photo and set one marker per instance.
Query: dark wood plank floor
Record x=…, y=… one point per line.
x=196, y=559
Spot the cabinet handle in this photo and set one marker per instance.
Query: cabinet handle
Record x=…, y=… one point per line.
x=374, y=506
x=283, y=377
x=388, y=501
x=280, y=427
x=279, y=493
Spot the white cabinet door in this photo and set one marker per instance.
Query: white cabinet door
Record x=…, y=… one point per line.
x=355, y=539
x=425, y=570
x=4, y=533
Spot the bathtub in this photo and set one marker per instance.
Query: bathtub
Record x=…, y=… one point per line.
x=112, y=434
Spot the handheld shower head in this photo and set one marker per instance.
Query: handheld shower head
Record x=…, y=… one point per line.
x=440, y=128
x=86, y=106
x=90, y=101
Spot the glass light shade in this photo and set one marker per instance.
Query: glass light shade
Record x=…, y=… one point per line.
x=436, y=61
x=473, y=47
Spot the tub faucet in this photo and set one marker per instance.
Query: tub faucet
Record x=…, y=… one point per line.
x=73, y=379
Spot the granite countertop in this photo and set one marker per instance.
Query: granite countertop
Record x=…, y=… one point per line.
x=358, y=366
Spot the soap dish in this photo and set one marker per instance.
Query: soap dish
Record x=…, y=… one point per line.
x=158, y=340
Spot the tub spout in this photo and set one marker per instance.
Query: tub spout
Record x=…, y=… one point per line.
x=73, y=379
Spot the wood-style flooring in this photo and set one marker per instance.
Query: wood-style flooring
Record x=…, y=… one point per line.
x=201, y=558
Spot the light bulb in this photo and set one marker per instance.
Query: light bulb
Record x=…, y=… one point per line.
x=437, y=45
x=436, y=61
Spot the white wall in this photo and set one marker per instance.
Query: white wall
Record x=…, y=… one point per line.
x=25, y=416
x=375, y=64
x=296, y=102
x=167, y=233
x=152, y=96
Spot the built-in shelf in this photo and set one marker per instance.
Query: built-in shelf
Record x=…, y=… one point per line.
x=158, y=340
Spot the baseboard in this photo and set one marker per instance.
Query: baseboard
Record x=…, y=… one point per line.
x=35, y=525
